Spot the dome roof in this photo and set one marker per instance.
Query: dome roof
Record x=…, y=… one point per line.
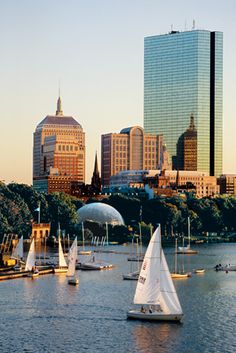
x=101, y=213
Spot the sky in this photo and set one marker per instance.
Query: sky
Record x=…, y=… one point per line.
x=95, y=49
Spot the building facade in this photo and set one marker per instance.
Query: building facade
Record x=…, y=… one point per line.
x=227, y=183
x=183, y=75
x=58, y=152
x=187, y=148
x=131, y=149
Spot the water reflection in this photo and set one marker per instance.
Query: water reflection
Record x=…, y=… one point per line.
x=156, y=337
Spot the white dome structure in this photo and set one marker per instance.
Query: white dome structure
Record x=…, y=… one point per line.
x=101, y=213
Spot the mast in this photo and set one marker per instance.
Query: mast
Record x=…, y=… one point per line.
x=189, y=231
x=82, y=228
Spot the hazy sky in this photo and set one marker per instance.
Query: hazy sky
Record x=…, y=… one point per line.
x=95, y=49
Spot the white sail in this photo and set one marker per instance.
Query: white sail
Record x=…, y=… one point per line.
x=18, y=251
x=148, y=286
x=155, y=285
x=62, y=261
x=168, y=299
x=30, y=262
x=72, y=259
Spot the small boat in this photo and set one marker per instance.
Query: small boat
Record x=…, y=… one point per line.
x=34, y=273
x=177, y=274
x=132, y=276
x=62, y=265
x=72, y=280
x=94, y=265
x=30, y=262
x=199, y=270
x=84, y=252
x=155, y=291
x=225, y=267
x=186, y=250
x=180, y=275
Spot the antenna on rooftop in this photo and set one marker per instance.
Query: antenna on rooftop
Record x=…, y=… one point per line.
x=171, y=28
x=194, y=24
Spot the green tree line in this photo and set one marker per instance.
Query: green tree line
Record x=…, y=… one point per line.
x=18, y=203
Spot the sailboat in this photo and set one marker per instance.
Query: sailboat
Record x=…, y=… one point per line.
x=62, y=265
x=72, y=263
x=84, y=252
x=176, y=273
x=30, y=261
x=133, y=275
x=155, y=291
x=186, y=249
x=17, y=254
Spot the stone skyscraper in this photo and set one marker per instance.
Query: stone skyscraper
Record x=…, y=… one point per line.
x=58, y=153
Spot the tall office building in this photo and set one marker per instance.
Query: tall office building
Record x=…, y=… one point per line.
x=183, y=75
x=131, y=149
x=58, y=153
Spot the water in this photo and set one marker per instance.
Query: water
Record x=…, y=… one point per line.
x=48, y=315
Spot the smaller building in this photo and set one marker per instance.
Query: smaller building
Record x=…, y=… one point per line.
x=131, y=149
x=40, y=231
x=227, y=184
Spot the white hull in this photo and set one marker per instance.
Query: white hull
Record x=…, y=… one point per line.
x=180, y=275
x=95, y=266
x=60, y=270
x=187, y=252
x=136, y=258
x=132, y=276
x=155, y=316
x=199, y=271
x=183, y=248
x=85, y=252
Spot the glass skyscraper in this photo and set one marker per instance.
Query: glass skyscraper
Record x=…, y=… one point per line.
x=183, y=77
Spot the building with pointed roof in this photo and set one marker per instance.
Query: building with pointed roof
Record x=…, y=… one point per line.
x=96, y=180
x=58, y=152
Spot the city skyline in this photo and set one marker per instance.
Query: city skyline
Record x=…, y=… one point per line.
x=99, y=64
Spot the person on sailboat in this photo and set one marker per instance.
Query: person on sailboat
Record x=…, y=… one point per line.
x=142, y=309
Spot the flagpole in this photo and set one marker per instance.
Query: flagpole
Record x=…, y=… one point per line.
x=39, y=213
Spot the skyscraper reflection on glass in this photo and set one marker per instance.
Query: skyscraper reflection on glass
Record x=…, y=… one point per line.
x=183, y=77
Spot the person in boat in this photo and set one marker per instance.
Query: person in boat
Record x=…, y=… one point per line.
x=142, y=309
x=150, y=309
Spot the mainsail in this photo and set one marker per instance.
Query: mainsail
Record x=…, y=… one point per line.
x=30, y=262
x=155, y=285
x=62, y=261
x=72, y=259
x=18, y=251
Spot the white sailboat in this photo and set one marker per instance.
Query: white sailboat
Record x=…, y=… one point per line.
x=18, y=252
x=177, y=274
x=72, y=263
x=133, y=275
x=30, y=261
x=155, y=291
x=84, y=252
x=62, y=265
x=186, y=249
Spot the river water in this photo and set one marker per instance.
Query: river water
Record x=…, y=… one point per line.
x=48, y=315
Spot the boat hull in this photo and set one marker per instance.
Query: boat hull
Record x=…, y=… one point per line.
x=180, y=275
x=85, y=252
x=187, y=252
x=60, y=270
x=155, y=316
x=73, y=281
x=199, y=271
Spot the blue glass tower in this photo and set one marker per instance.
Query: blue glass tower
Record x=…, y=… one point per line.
x=183, y=77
